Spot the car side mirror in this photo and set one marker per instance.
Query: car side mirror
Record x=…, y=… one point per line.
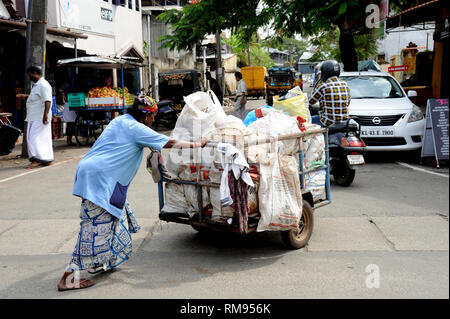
x=412, y=93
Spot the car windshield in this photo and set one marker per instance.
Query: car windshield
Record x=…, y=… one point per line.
x=373, y=87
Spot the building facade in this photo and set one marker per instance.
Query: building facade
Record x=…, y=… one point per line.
x=74, y=28
x=161, y=59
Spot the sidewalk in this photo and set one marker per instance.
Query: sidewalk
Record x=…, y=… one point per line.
x=13, y=163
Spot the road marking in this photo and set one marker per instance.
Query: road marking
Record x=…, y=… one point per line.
x=35, y=170
x=421, y=169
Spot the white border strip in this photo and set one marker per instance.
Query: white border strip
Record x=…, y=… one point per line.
x=421, y=169
x=35, y=170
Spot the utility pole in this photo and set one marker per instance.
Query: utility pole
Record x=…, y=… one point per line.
x=220, y=72
x=35, y=46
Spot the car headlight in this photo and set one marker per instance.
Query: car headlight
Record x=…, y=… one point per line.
x=416, y=114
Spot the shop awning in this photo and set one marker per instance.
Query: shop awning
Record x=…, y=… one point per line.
x=422, y=13
x=100, y=62
x=16, y=24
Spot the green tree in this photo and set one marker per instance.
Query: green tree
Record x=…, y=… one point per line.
x=287, y=18
x=240, y=47
x=327, y=46
x=190, y=25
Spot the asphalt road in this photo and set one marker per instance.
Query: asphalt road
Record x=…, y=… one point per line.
x=392, y=223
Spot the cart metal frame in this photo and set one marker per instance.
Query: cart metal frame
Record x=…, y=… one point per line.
x=205, y=222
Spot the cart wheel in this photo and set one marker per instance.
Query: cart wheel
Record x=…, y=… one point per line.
x=296, y=239
x=85, y=130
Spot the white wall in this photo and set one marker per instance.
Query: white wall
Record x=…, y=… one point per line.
x=104, y=37
x=396, y=41
x=128, y=29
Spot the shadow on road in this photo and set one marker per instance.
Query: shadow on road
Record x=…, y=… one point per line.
x=180, y=255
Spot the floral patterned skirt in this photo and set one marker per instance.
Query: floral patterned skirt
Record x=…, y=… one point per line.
x=103, y=240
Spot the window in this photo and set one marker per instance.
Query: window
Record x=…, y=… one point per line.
x=372, y=87
x=130, y=4
x=137, y=5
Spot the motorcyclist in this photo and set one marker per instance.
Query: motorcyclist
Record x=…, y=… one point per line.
x=333, y=95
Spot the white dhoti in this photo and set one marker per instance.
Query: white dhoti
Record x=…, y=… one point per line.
x=39, y=140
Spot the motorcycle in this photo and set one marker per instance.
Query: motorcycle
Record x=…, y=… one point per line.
x=347, y=149
x=167, y=114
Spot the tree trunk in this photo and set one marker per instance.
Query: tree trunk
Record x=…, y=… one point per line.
x=348, y=51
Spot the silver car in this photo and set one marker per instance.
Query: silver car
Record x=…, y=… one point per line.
x=389, y=120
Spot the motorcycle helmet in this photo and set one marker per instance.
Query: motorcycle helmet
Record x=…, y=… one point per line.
x=329, y=69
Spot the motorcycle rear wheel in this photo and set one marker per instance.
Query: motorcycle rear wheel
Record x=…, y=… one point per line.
x=343, y=175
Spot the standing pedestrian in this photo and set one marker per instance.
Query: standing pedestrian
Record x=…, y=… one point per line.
x=101, y=181
x=68, y=116
x=39, y=115
x=214, y=85
x=241, y=96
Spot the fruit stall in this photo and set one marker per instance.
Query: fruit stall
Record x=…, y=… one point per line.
x=91, y=106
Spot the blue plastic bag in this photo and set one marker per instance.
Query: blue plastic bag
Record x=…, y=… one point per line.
x=251, y=117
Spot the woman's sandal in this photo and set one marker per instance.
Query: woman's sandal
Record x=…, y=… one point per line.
x=84, y=283
x=96, y=270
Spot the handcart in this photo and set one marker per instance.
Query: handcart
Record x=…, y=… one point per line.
x=90, y=119
x=294, y=239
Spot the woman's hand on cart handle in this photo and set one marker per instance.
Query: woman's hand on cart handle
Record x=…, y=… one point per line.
x=203, y=141
x=184, y=144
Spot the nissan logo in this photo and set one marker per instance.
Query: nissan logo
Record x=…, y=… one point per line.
x=376, y=120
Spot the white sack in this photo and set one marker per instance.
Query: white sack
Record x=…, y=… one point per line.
x=280, y=195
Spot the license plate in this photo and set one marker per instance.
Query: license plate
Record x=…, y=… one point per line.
x=355, y=159
x=377, y=132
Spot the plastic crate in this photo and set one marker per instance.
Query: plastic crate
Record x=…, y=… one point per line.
x=76, y=99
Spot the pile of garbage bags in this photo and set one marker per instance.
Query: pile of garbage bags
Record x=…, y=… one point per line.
x=294, y=103
x=244, y=170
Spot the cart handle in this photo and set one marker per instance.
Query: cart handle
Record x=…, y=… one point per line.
x=264, y=140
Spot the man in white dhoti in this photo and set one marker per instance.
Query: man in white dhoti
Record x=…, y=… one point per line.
x=241, y=96
x=39, y=115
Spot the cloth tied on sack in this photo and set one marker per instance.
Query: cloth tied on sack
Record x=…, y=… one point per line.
x=154, y=163
x=235, y=165
x=239, y=194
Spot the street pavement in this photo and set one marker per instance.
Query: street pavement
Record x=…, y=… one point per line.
x=385, y=236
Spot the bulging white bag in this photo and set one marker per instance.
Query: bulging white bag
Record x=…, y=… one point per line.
x=199, y=115
x=280, y=195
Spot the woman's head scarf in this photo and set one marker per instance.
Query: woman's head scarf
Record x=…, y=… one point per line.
x=146, y=104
